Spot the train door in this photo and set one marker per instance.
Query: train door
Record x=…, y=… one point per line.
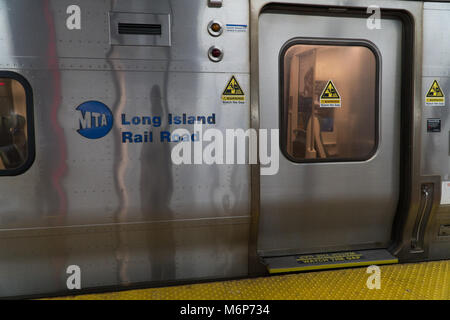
x=331, y=85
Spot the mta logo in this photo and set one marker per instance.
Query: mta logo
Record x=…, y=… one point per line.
x=95, y=120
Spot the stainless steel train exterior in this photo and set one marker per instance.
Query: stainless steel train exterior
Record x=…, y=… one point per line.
x=88, y=88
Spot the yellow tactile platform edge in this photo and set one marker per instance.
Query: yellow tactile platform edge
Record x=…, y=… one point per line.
x=428, y=280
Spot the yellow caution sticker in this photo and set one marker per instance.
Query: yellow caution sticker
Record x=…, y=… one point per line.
x=435, y=96
x=233, y=91
x=330, y=97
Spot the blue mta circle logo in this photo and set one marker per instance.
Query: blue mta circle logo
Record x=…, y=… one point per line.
x=95, y=120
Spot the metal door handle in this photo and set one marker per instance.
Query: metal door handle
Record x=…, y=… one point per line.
x=417, y=241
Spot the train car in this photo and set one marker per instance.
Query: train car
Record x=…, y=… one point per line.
x=146, y=143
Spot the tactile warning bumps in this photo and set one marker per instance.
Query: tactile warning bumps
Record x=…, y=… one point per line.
x=429, y=280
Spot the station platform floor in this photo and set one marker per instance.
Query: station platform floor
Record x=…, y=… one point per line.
x=413, y=281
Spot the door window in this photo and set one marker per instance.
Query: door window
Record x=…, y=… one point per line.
x=330, y=102
x=16, y=136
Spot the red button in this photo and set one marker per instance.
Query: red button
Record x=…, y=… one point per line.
x=216, y=53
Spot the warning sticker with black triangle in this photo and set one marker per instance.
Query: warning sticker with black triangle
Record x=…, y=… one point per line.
x=435, y=96
x=233, y=91
x=330, y=97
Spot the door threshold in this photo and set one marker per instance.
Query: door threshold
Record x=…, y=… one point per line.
x=333, y=260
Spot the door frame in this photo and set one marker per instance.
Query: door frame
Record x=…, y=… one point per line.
x=410, y=14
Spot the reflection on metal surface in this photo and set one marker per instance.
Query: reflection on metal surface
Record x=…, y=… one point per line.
x=156, y=197
x=58, y=166
x=120, y=174
x=59, y=170
x=315, y=132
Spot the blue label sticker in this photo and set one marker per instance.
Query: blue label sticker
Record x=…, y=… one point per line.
x=236, y=27
x=95, y=120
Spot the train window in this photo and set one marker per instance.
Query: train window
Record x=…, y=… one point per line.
x=329, y=106
x=16, y=135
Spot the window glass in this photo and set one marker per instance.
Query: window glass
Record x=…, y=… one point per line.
x=330, y=103
x=13, y=125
